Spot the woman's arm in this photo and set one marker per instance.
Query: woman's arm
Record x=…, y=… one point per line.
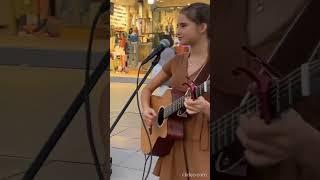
x=148, y=114
x=153, y=84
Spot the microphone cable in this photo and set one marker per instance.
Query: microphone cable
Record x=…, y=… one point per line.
x=103, y=8
x=146, y=157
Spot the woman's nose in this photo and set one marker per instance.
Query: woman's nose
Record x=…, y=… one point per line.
x=178, y=32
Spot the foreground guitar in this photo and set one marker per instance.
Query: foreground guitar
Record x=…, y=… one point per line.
x=282, y=94
x=169, y=126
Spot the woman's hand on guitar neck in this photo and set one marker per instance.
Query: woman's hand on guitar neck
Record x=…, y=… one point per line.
x=198, y=105
x=149, y=116
x=289, y=136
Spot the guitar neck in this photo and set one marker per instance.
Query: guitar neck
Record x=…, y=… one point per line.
x=179, y=103
x=282, y=93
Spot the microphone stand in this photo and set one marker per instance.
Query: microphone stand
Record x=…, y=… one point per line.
x=67, y=118
x=154, y=63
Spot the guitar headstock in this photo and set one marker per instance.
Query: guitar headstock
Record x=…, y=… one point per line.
x=207, y=83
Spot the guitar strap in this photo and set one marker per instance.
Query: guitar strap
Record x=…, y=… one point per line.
x=203, y=74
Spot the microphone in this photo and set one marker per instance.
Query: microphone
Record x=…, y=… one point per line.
x=164, y=43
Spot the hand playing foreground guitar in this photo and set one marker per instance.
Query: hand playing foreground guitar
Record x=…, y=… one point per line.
x=289, y=136
x=149, y=116
x=198, y=105
x=192, y=106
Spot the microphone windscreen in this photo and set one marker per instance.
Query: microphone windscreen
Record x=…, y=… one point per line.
x=165, y=42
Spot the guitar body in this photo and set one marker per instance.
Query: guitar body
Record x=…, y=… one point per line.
x=164, y=131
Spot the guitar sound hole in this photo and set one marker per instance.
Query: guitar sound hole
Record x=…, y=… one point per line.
x=160, y=117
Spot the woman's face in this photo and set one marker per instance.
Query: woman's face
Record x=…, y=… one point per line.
x=188, y=31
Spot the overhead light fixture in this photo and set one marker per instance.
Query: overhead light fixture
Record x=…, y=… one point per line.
x=150, y=1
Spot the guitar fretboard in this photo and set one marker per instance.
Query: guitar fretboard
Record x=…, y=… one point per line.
x=179, y=103
x=283, y=94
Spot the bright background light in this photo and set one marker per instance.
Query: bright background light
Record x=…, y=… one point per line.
x=150, y=1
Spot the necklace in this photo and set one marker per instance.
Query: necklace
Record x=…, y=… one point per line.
x=189, y=62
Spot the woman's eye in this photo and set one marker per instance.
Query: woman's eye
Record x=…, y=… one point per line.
x=182, y=25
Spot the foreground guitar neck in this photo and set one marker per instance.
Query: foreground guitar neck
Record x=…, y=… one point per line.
x=179, y=103
x=284, y=93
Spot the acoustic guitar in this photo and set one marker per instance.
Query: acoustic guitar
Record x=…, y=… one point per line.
x=168, y=126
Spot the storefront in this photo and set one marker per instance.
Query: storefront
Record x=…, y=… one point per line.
x=131, y=34
x=135, y=29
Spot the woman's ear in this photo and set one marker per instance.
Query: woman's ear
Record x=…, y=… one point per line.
x=203, y=27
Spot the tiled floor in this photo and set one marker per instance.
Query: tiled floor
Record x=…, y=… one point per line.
x=128, y=160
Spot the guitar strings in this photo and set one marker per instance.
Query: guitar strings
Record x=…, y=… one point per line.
x=290, y=77
x=225, y=118
x=227, y=123
x=172, y=106
x=241, y=109
x=222, y=122
x=251, y=103
x=221, y=134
